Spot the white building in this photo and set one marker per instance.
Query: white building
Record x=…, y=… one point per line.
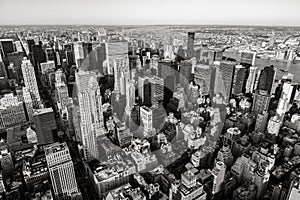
x=286, y=98
x=30, y=82
x=61, y=171
x=11, y=111
x=121, y=74
x=146, y=120
x=274, y=125
x=251, y=79
x=130, y=95
x=91, y=115
x=218, y=173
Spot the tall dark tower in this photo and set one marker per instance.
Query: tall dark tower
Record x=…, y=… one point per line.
x=190, y=45
x=266, y=79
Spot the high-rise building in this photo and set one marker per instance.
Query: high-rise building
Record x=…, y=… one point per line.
x=30, y=82
x=208, y=56
x=101, y=56
x=189, y=188
x=50, y=54
x=62, y=96
x=185, y=72
x=224, y=78
x=266, y=79
x=146, y=120
x=91, y=115
x=28, y=104
x=239, y=80
x=248, y=58
x=274, y=125
x=218, y=173
x=144, y=89
x=11, y=111
x=61, y=170
x=45, y=125
x=7, y=46
x=203, y=78
x=190, y=45
x=157, y=90
x=261, y=121
x=38, y=56
x=121, y=74
x=115, y=49
x=47, y=67
x=261, y=181
x=130, y=94
x=78, y=53
x=287, y=98
x=251, y=79
x=261, y=101
x=167, y=68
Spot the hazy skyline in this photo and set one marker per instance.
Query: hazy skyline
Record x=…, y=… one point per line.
x=121, y=12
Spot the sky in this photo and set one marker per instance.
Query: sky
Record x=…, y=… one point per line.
x=140, y=12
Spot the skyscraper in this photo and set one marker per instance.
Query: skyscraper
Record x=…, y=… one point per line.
x=185, y=72
x=30, y=82
x=190, y=45
x=207, y=56
x=218, y=173
x=115, y=49
x=61, y=171
x=144, y=89
x=11, y=111
x=157, y=90
x=266, y=79
x=146, y=120
x=224, y=78
x=287, y=97
x=248, y=58
x=7, y=46
x=28, y=104
x=78, y=53
x=130, y=94
x=121, y=74
x=239, y=80
x=251, y=79
x=45, y=125
x=261, y=101
x=91, y=116
x=203, y=78
x=101, y=56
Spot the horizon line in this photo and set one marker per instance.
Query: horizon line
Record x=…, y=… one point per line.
x=179, y=24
